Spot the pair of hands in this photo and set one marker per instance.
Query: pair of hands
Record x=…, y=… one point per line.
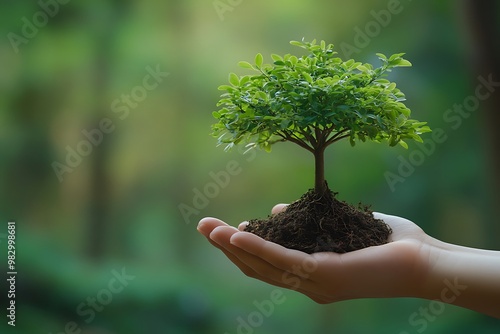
x=395, y=269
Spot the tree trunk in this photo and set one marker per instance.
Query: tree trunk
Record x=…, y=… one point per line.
x=319, y=171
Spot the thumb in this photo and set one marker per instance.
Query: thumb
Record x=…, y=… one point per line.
x=278, y=208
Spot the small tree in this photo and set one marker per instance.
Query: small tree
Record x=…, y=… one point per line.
x=314, y=101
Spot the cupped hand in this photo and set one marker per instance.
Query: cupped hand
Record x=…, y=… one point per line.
x=395, y=269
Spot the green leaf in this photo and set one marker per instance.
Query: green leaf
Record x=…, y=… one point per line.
x=259, y=60
x=424, y=129
x=349, y=63
x=261, y=95
x=276, y=57
x=308, y=77
x=266, y=146
x=418, y=124
x=297, y=43
x=245, y=64
x=244, y=80
x=395, y=56
x=233, y=79
x=362, y=68
x=417, y=138
x=393, y=140
x=404, y=63
x=225, y=87
x=403, y=143
x=284, y=124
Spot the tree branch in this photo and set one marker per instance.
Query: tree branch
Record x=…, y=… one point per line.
x=287, y=136
x=338, y=136
x=309, y=138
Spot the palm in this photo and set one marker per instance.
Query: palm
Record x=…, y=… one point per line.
x=382, y=271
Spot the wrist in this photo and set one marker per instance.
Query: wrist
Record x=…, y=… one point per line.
x=461, y=276
x=438, y=258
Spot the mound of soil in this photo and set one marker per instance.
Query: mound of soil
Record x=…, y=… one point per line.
x=322, y=224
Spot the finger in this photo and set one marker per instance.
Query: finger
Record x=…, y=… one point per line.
x=277, y=255
x=208, y=224
x=219, y=233
x=296, y=277
x=299, y=271
x=221, y=236
x=278, y=208
x=242, y=226
x=257, y=268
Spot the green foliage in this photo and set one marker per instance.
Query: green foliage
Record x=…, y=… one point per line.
x=314, y=101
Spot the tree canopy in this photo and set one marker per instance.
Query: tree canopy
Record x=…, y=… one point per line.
x=313, y=101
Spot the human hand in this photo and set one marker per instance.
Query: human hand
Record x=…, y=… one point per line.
x=395, y=269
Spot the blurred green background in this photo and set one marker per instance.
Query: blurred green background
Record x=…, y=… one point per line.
x=118, y=208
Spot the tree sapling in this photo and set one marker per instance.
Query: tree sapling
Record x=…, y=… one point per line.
x=314, y=101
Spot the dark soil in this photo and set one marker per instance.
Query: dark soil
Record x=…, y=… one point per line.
x=322, y=224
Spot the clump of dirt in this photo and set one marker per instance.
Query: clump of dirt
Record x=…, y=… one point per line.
x=321, y=223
